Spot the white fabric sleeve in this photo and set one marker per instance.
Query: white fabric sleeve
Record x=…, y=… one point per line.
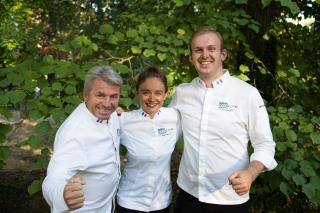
x=174, y=100
x=68, y=158
x=260, y=133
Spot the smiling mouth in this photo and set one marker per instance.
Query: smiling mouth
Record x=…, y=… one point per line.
x=151, y=105
x=205, y=62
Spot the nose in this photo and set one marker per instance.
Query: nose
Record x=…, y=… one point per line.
x=106, y=102
x=151, y=97
x=205, y=53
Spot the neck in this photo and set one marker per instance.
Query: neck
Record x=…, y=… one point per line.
x=208, y=79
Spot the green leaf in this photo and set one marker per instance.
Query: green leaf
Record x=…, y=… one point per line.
x=306, y=127
x=86, y=51
x=286, y=173
x=126, y=102
x=298, y=179
x=309, y=190
x=46, y=91
x=15, y=79
x=136, y=50
x=265, y=3
x=162, y=48
x=43, y=127
x=5, y=152
x=58, y=115
x=291, y=5
x=315, y=181
x=42, y=163
x=291, y=135
x=131, y=33
x=290, y=165
x=16, y=96
x=123, y=150
x=5, y=112
x=112, y=39
x=249, y=55
x=254, y=27
x=3, y=100
x=162, y=56
x=56, y=102
x=35, y=114
x=241, y=1
x=149, y=53
x=315, y=137
x=34, y=142
x=295, y=72
x=119, y=36
x=293, y=80
x=281, y=146
x=5, y=128
x=244, y=68
x=94, y=46
x=70, y=90
x=283, y=125
x=307, y=168
x=243, y=77
x=291, y=145
x=76, y=42
x=155, y=30
x=241, y=21
x=75, y=100
x=297, y=155
x=34, y=187
x=178, y=3
x=57, y=86
x=126, y=90
x=106, y=29
x=284, y=188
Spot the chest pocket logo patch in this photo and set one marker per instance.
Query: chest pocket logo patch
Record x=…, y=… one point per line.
x=164, y=131
x=224, y=106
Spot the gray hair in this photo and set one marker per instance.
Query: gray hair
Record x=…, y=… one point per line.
x=105, y=73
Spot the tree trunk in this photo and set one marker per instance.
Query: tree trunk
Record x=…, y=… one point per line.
x=265, y=50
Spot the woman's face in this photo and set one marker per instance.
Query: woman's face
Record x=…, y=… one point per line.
x=151, y=94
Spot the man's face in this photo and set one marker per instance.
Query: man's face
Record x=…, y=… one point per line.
x=207, y=56
x=103, y=99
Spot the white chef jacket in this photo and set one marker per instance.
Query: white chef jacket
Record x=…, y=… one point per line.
x=85, y=146
x=145, y=183
x=217, y=124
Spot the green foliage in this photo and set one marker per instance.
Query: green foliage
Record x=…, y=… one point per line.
x=34, y=187
x=46, y=49
x=296, y=152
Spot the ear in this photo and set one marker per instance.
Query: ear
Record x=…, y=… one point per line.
x=224, y=54
x=85, y=96
x=190, y=58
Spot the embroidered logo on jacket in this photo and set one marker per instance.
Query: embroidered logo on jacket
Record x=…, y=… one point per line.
x=164, y=131
x=224, y=106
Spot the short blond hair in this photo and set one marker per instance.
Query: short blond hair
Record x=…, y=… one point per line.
x=204, y=30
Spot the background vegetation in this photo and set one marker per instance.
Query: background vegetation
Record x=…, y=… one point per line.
x=46, y=47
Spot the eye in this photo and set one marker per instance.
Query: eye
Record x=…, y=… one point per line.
x=198, y=50
x=114, y=96
x=212, y=49
x=158, y=93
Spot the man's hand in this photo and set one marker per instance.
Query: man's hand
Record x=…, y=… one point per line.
x=73, y=193
x=241, y=181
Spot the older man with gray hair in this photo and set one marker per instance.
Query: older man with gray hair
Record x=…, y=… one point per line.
x=87, y=145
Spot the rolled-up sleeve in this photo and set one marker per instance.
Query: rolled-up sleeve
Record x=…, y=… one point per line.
x=68, y=158
x=260, y=132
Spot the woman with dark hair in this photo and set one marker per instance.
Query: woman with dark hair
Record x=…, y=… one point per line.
x=149, y=135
